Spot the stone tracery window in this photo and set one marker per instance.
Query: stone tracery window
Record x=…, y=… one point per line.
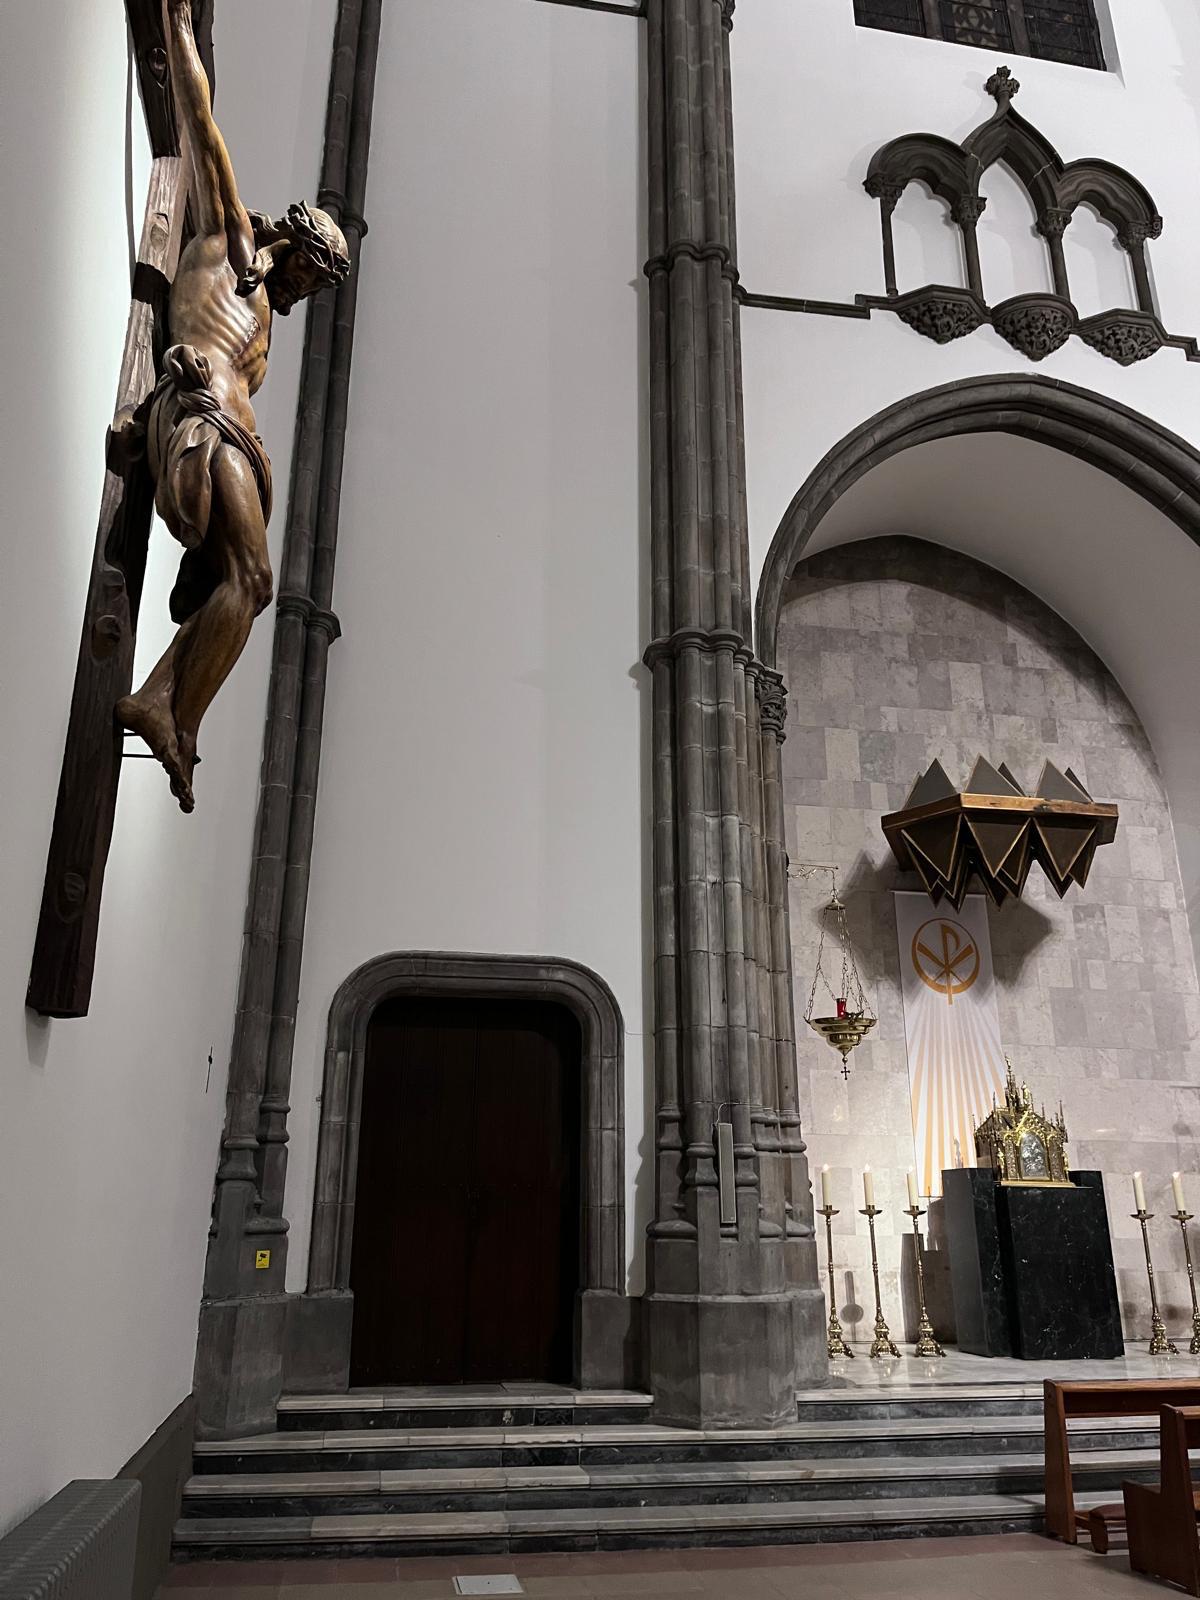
x=1055, y=30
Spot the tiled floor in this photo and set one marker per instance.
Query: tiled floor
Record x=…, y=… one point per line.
x=919, y=1569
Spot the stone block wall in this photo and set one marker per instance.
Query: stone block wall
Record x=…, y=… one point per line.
x=895, y=652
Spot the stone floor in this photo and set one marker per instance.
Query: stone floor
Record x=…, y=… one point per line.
x=919, y=1569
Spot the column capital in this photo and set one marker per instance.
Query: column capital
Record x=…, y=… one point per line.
x=772, y=702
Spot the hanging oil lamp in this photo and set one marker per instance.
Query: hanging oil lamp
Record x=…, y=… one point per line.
x=852, y=1017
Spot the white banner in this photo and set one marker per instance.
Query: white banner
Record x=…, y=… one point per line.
x=955, y=1058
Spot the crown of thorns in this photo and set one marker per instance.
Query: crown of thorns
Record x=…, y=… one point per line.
x=308, y=235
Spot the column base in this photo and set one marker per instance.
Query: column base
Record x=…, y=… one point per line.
x=722, y=1361
x=316, y=1347
x=809, y=1330
x=239, y=1365
x=609, y=1328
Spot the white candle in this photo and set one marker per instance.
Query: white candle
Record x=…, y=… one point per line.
x=1139, y=1193
x=868, y=1186
x=913, y=1198
x=1177, y=1185
x=826, y=1187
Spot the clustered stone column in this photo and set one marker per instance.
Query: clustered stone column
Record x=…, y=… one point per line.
x=734, y=1309
x=240, y=1349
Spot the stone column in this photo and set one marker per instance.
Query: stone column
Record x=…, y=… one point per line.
x=239, y=1357
x=1052, y=224
x=734, y=1310
x=1133, y=237
x=967, y=211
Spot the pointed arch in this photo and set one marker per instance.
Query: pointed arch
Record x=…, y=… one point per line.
x=1139, y=452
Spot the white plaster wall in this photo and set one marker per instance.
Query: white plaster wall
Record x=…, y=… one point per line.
x=109, y=1125
x=806, y=229
x=482, y=779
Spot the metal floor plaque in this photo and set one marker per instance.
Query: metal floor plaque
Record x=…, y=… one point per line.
x=502, y=1583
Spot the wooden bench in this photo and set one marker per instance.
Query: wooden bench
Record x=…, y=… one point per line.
x=1162, y=1520
x=1096, y=1399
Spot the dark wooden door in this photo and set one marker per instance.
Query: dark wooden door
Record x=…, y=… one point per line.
x=465, y=1264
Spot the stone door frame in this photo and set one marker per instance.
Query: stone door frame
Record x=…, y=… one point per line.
x=319, y=1338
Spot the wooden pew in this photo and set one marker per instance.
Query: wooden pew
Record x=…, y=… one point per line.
x=1096, y=1399
x=1162, y=1520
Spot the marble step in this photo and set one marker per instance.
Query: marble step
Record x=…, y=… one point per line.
x=484, y=1406
x=607, y=1528
x=515, y=1489
x=346, y=1450
x=523, y=1406
x=901, y=1397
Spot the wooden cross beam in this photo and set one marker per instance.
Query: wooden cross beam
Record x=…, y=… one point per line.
x=64, y=956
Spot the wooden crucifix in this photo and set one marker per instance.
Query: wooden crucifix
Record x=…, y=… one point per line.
x=209, y=278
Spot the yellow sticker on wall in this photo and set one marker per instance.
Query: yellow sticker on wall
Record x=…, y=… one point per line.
x=262, y=1260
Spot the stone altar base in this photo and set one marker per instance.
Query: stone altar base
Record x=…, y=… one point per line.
x=1031, y=1268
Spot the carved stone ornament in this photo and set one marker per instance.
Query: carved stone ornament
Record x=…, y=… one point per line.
x=1124, y=336
x=773, y=705
x=940, y=312
x=1035, y=324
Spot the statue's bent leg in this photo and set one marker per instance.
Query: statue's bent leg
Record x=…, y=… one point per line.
x=208, y=645
x=168, y=709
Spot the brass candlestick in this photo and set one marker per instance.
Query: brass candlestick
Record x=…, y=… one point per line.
x=1160, y=1345
x=927, y=1345
x=1183, y=1218
x=882, y=1344
x=837, y=1344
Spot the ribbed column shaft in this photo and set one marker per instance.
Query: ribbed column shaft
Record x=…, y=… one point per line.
x=321, y=630
x=252, y=1154
x=720, y=1035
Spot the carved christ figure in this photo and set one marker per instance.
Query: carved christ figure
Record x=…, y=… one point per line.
x=212, y=475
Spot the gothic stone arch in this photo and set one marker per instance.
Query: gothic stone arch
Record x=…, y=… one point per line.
x=1148, y=458
x=319, y=1335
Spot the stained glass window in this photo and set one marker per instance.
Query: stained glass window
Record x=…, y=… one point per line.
x=1064, y=30
x=987, y=26
x=1056, y=30
x=897, y=16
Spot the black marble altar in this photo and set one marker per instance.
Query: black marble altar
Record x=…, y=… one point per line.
x=1031, y=1268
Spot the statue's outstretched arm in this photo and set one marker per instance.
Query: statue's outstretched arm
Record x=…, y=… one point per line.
x=214, y=190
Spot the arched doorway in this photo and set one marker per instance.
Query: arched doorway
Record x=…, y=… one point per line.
x=604, y=1332
x=465, y=1264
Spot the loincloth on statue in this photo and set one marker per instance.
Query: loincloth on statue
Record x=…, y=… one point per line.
x=187, y=426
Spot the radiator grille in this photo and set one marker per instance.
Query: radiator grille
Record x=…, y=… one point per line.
x=78, y=1546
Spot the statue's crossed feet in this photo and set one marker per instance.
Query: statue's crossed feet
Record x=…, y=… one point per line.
x=153, y=722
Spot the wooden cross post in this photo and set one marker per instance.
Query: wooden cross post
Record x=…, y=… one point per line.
x=60, y=982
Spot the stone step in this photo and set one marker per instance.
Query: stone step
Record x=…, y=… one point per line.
x=886, y=1399
x=525, y=1406
x=386, y=1450
x=485, y=1406
x=514, y=1489
x=607, y=1528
